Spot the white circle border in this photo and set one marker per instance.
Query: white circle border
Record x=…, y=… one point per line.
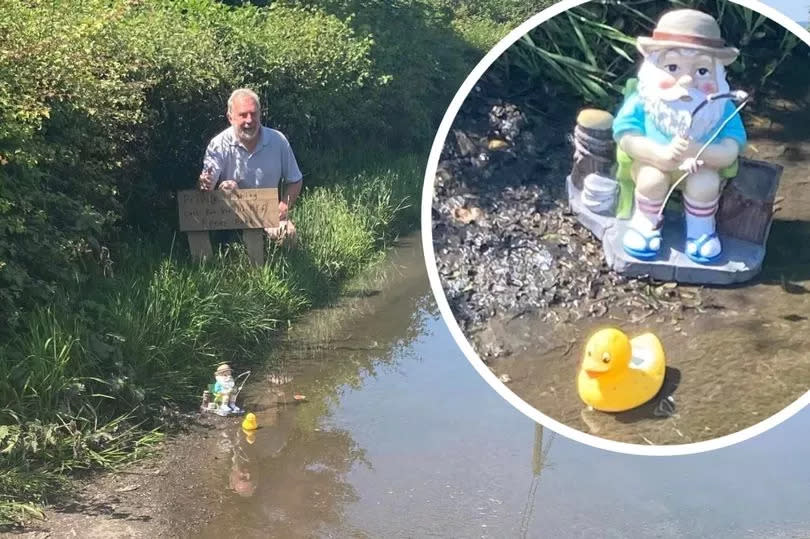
x=444, y=307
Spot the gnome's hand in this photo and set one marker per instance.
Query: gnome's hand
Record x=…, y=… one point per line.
x=677, y=148
x=691, y=165
x=670, y=156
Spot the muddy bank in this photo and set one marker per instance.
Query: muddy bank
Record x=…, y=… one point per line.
x=142, y=500
x=725, y=372
x=528, y=284
x=505, y=243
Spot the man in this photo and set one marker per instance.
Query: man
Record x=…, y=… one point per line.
x=659, y=135
x=248, y=155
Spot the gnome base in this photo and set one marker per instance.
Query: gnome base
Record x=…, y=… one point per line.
x=221, y=410
x=224, y=411
x=739, y=261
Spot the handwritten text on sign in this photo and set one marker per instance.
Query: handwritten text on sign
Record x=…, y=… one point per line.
x=220, y=210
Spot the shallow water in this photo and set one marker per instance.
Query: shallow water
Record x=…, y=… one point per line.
x=400, y=437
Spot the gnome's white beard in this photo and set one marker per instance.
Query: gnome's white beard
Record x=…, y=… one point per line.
x=671, y=115
x=226, y=382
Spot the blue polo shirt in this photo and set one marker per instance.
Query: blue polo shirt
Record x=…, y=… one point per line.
x=271, y=160
x=631, y=117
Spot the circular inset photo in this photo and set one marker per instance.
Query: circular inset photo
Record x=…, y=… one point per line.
x=616, y=221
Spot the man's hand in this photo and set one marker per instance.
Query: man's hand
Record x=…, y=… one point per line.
x=284, y=233
x=282, y=211
x=206, y=180
x=229, y=185
x=289, y=231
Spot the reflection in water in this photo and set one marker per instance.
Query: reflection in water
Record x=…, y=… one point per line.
x=292, y=479
x=241, y=480
x=539, y=459
x=400, y=437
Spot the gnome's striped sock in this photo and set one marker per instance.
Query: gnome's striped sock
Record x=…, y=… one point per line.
x=642, y=234
x=699, y=222
x=701, y=209
x=646, y=216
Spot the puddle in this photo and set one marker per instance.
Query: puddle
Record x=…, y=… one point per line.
x=400, y=437
x=741, y=361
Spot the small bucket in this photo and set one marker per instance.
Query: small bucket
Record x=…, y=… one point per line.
x=599, y=193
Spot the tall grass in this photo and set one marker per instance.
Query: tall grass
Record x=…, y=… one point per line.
x=94, y=386
x=589, y=51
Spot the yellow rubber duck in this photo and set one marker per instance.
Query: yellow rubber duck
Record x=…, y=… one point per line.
x=618, y=373
x=249, y=422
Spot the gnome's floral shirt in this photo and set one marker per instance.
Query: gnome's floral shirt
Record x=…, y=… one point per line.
x=631, y=117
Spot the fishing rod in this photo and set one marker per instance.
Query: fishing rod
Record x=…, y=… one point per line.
x=736, y=95
x=246, y=374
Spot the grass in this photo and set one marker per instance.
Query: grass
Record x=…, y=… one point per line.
x=589, y=51
x=95, y=377
x=482, y=33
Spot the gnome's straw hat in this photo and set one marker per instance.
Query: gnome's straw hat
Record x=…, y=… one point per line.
x=688, y=28
x=223, y=369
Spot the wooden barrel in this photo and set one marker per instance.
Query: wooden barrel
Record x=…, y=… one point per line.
x=594, y=148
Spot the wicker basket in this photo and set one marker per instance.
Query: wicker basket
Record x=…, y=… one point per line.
x=746, y=205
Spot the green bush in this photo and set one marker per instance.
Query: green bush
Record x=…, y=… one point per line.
x=106, y=107
x=512, y=12
x=66, y=109
x=422, y=59
x=110, y=109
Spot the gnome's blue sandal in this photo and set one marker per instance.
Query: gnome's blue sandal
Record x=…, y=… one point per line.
x=693, y=247
x=648, y=252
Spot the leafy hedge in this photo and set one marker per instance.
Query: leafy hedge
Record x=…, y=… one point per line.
x=106, y=107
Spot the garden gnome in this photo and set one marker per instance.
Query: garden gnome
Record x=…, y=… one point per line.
x=223, y=390
x=659, y=132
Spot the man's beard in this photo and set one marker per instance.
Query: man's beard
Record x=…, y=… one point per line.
x=245, y=135
x=672, y=117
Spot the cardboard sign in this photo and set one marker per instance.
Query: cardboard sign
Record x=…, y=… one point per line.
x=220, y=210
